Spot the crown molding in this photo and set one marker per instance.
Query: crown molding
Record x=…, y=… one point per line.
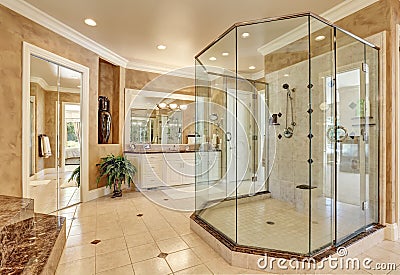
x=346, y=8
x=27, y=10
x=336, y=13
x=45, y=86
x=141, y=65
x=49, y=22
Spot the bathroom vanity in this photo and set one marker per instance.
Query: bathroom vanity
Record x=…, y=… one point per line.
x=167, y=168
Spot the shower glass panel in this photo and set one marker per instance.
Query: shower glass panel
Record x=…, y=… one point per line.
x=293, y=103
x=216, y=162
x=372, y=135
x=320, y=173
x=352, y=149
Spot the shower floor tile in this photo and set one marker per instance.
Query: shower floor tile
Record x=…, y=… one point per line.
x=270, y=223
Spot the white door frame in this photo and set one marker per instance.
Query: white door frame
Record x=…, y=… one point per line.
x=28, y=51
x=397, y=130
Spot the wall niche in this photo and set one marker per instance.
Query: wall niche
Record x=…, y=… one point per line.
x=109, y=86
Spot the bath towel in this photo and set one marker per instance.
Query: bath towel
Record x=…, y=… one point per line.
x=46, y=149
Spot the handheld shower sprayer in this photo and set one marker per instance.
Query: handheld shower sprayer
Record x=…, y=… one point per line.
x=289, y=130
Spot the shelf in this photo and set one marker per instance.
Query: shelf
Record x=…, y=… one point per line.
x=363, y=124
x=362, y=117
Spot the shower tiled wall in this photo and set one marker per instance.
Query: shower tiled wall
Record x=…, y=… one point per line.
x=291, y=167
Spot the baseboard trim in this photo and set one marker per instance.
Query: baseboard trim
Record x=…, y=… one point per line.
x=95, y=194
x=392, y=232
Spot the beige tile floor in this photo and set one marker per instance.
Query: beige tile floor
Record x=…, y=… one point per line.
x=49, y=198
x=130, y=244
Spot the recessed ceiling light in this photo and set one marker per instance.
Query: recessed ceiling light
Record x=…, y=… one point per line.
x=286, y=75
x=161, y=47
x=225, y=54
x=90, y=22
x=252, y=68
x=319, y=38
x=213, y=58
x=245, y=35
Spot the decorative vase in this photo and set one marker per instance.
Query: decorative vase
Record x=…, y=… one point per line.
x=104, y=120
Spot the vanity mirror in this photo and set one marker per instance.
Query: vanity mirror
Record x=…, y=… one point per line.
x=158, y=117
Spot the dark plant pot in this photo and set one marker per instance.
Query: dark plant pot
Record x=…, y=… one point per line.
x=116, y=193
x=104, y=120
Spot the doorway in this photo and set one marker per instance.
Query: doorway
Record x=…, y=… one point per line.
x=53, y=86
x=54, y=139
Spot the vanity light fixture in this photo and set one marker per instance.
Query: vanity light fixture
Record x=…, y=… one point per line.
x=162, y=105
x=225, y=54
x=161, y=47
x=173, y=106
x=212, y=58
x=90, y=22
x=252, y=68
x=245, y=35
x=319, y=38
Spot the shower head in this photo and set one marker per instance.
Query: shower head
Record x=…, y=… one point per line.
x=285, y=86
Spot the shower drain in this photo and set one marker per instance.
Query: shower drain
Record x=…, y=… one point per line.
x=270, y=223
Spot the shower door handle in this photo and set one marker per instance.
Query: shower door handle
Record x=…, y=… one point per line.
x=338, y=132
x=228, y=136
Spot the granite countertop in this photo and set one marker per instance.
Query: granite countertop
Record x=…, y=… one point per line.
x=14, y=210
x=32, y=253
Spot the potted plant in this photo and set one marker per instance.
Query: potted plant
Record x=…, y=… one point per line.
x=76, y=175
x=118, y=170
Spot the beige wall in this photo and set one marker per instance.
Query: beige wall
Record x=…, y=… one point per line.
x=14, y=29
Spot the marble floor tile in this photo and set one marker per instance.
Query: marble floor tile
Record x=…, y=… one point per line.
x=182, y=260
x=130, y=244
x=198, y=269
x=74, y=253
x=110, y=245
x=163, y=234
x=143, y=252
x=193, y=240
x=82, y=239
x=138, y=239
x=82, y=266
x=112, y=260
x=172, y=245
x=123, y=270
x=152, y=267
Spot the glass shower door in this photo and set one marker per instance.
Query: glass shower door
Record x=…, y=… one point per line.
x=350, y=133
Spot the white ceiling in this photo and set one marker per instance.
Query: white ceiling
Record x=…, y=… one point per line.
x=133, y=28
x=48, y=74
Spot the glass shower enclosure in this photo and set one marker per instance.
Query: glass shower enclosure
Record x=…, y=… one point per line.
x=288, y=123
